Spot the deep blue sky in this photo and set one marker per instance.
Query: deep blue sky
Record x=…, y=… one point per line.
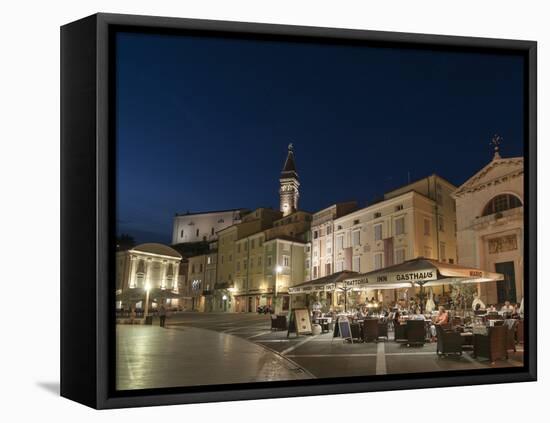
x=204, y=123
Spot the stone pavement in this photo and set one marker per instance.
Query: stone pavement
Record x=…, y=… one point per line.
x=205, y=348
x=153, y=357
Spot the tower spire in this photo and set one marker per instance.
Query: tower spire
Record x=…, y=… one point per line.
x=289, y=185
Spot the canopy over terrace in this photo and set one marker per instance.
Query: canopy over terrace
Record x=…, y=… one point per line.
x=420, y=272
x=326, y=283
x=325, y=287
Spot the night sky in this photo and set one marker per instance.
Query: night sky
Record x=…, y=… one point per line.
x=204, y=123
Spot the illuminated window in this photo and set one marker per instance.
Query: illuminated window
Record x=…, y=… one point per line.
x=399, y=256
x=339, y=242
x=400, y=226
x=378, y=261
x=356, y=264
x=356, y=238
x=441, y=223
x=427, y=227
x=378, y=232
x=501, y=203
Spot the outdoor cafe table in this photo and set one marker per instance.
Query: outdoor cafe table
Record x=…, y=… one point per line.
x=323, y=322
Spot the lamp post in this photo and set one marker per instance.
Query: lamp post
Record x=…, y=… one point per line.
x=278, y=270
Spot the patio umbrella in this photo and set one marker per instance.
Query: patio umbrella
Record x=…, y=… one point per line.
x=326, y=283
x=421, y=272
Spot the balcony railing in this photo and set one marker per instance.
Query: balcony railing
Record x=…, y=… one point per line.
x=515, y=212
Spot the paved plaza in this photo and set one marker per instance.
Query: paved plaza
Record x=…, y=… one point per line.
x=214, y=348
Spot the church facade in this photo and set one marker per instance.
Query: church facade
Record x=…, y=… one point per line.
x=490, y=226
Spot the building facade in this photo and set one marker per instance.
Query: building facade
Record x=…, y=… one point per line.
x=490, y=223
x=256, y=262
x=228, y=249
x=320, y=253
x=200, y=227
x=405, y=225
x=152, y=268
x=284, y=258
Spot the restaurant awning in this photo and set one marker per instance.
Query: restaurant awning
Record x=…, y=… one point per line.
x=326, y=283
x=420, y=272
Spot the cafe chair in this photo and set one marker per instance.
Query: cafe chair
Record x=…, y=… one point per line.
x=416, y=332
x=511, y=327
x=519, y=332
x=400, y=332
x=278, y=322
x=383, y=330
x=448, y=341
x=457, y=321
x=370, y=330
x=356, y=331
x=492, y=345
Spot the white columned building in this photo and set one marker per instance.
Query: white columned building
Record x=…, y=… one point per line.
x=490, y=226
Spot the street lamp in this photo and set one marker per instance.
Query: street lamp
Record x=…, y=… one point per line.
x=278, y=270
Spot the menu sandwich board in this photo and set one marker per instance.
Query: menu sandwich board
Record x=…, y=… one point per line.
x=299, y=322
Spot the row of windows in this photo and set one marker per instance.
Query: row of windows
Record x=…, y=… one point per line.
x=197, y=232
x=252, y=245
x=378, y=260
x=399, y=225
x=285, y=262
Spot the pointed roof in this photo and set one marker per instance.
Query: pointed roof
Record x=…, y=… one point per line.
x=289, y=169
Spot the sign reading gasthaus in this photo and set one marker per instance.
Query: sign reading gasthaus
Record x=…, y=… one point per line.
x=416, y=276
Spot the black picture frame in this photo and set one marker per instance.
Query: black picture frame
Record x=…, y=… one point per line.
x=87, y=212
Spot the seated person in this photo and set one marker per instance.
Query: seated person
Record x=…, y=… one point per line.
x=492, y=309
x=441, y=319
x=418, y=316
x=507, y=308
x=477, y=304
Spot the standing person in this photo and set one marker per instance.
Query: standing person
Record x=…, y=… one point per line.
x=132, y=315
x=162, y=315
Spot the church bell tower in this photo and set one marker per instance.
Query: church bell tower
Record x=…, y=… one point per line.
x=288, y=191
